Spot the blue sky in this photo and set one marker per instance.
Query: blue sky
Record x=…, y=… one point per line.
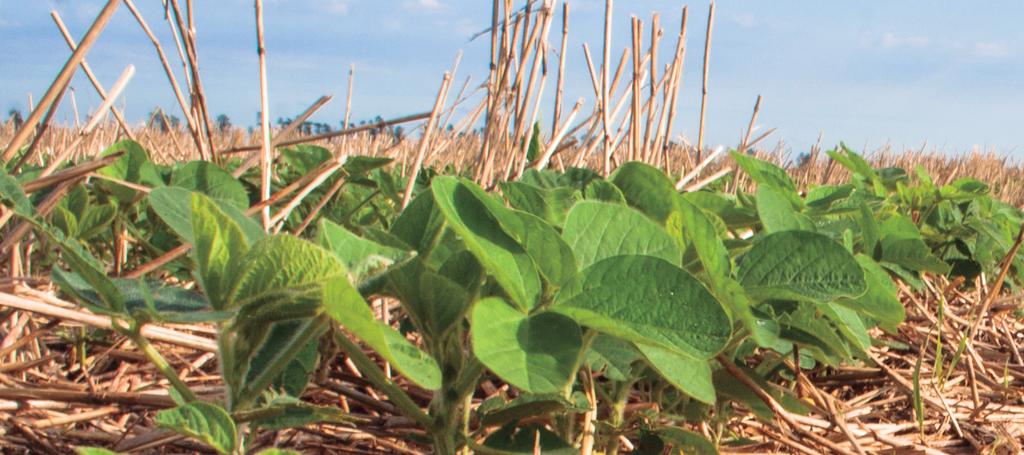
x=868, y=73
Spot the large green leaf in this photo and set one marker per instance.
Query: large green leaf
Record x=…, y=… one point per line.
x=799, y=265
x=174, y=206
x=777, y=212
x=512, y=439
x=202, y=421
x=647, y=300
x=690, y=375
x=462, y=204
x=549, y=204
x=213, y=181
x=687, y=442
x=282, y=267
x=646, y=188
x=765, y=173
x=154, y=299
x=132, y=167
x=344, y=304
x=360, y=256
x=552, y=256
x=902, y=244
x=218, y=249
x=598, y=230
x=434, y=302
x=536, y=353
x=700, y=234
x=880, y=301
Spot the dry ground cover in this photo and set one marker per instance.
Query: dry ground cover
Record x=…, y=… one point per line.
x=500, y=286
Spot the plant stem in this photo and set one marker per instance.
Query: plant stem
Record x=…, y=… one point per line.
x=161, y=364
x=374, y=374
x=253, y=390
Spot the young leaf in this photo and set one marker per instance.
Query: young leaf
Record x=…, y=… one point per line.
x=174, y=207
x=598, y=230
x=644, y=299
x=344, y=304
x=552, y=205
x=777, y=212
x=211, y=180
x=205, y=422
x=218, y=250
x=536, y=353
x=361, y=256
x=503, y=258
x=799, y=265
x=765, y=173
x=689, y=375
x=647, y=188
x=880, y=301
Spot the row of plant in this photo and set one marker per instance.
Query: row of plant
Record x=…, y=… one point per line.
x=582, y=293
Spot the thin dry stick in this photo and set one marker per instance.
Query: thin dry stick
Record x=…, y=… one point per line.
x=89, y=74
x=704, y=87
x=198, y=96
x=348, y=98
x=750, y=126
x=425, y=141
x=558, y=135
x=115, y=91
x=332, y=134
x=676, y=85
x=605, y=95
x=185, y=112
x=62, y=79
x=560, y=83
x=654, y=85
x=634, y=133
x=266, y=157
x=288, y=130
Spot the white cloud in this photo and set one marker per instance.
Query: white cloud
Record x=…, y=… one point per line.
x=338, y=7
x=745, y=20
x=990, y=49
x=892, y=40
x=423, y=5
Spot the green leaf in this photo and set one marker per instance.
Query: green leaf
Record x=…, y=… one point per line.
x=94, y=451
x=462, y=204
x=511, y=439
x=218, y=250
x=850, y=325
x=132, y=167
x=174, y=206
x=362, y=257
x=497, y=412
x=205, y=422
x=362, y=164
x=689, y=375
x=612, y=356
x=798, y=265
x=765, y=173
x=344, y=304
x=552, y=256
x=646, y=188
x=434, y=301
x=290, y=412
x=603, y=190
x=687, y=442
x=171, y=304
x=880, y=301
x=282, y=266
x=647, y=300
x=700, y=234
x=536, y=353
x=598, y=230
x=209, y=179
x=552, y=204
x=536, y=147
x=777, y=212
x=903, y=245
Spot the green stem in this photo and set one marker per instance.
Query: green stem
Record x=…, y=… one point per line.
x=161, y=364
x=373, y=373
x=253, y=390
